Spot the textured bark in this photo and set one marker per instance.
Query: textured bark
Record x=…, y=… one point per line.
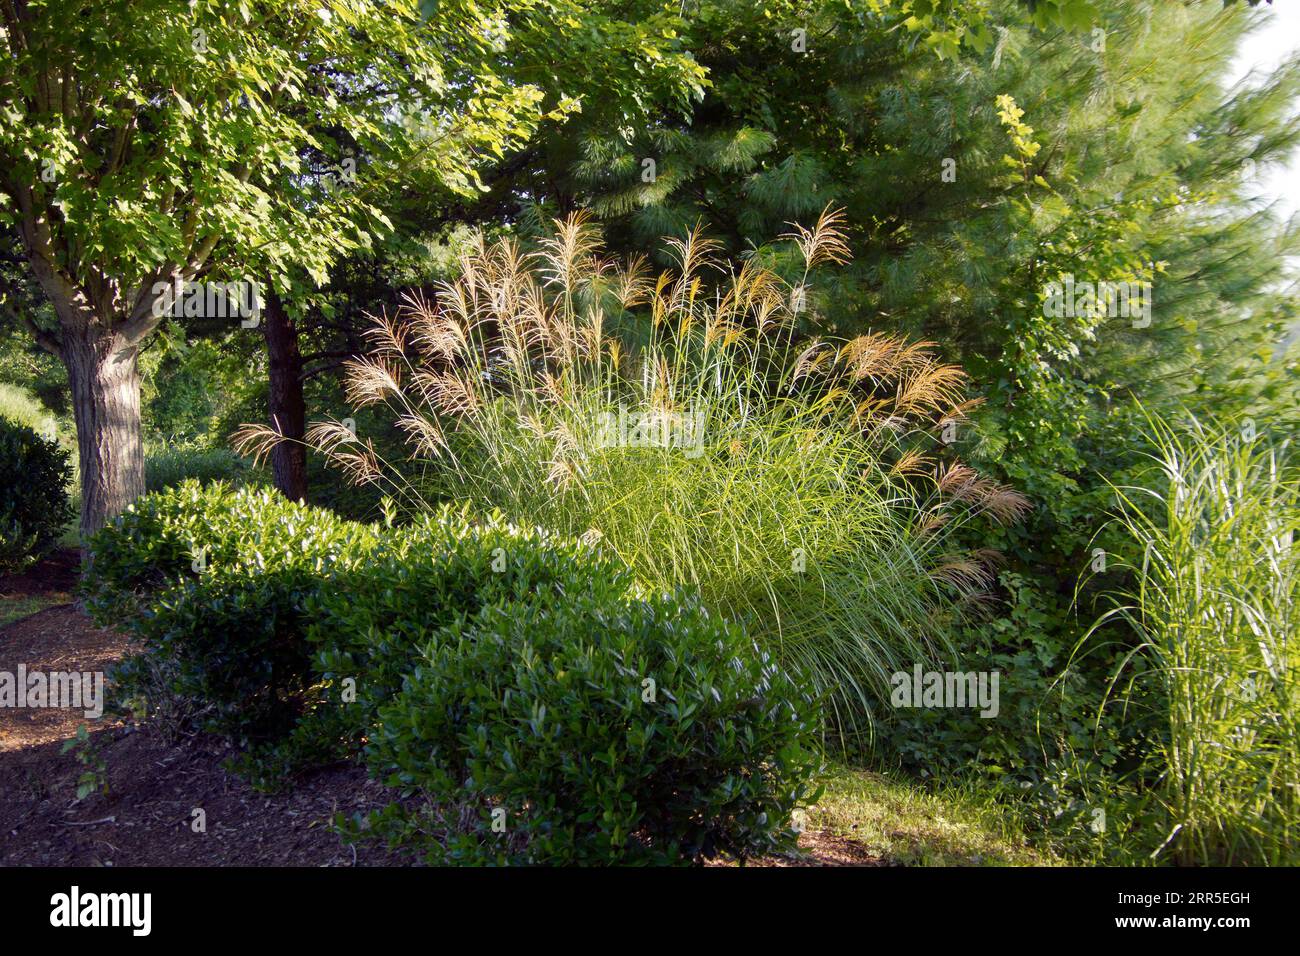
x=285, y=401
x=105, y=379
x=100, y=328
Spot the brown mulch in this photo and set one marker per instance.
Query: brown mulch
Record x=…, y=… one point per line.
x=817, y=848
x=154, y=786
x=825, y=849
x=56, y=574
x=146, y=816
x=55, y=639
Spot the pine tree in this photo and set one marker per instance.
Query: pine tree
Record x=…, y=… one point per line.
x=1137, y=173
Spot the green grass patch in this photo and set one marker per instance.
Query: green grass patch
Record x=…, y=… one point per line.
x=18, y=405
x=16, y=607
x=904, y=823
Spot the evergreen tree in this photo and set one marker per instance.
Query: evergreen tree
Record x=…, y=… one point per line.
x=1133, y=168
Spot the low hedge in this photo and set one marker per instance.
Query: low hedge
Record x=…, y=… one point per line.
x=490, y=667
x=196, y=530
x=600, y=731
x=375, y=619
x=368, y=623
x=213, y=583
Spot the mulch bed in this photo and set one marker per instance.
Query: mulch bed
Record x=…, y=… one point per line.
x=147, y=815
x=57, y=574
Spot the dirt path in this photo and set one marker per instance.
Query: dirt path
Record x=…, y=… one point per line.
x=147, y=816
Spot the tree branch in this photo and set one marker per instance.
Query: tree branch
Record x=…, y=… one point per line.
x=46, y=340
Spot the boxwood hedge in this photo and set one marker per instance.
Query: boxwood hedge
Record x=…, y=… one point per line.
x=494, y=669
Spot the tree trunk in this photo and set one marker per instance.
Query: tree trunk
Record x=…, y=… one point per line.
x=285, y=400
x=105, y=381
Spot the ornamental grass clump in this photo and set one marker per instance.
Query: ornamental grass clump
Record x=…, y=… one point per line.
x=797, y=482
x=1213, y=595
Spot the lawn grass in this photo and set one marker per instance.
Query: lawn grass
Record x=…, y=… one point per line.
x=906, y=824
x=15, y=607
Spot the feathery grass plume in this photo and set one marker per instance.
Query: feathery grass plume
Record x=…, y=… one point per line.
x=825, y=242
x=683, y=420
x=369, y=380
x=256, y=440
x=1212, y=594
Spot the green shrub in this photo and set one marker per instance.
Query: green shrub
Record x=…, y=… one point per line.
x=158, y=540
x=34, y=506
x=1045, y=716
x=261, y=608
x=373, y=619
x=172, y=465
x=598, y=731
x=164, y=538
x=213, y=584
x=368, y=624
